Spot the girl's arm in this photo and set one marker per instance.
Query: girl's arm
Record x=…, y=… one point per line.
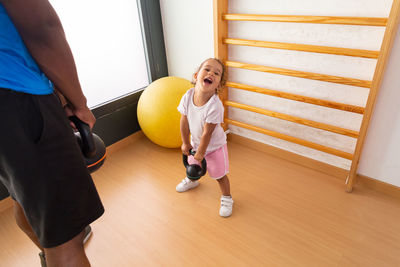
x=185, y=135
x=204, y=141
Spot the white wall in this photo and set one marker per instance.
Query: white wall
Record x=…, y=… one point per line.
x=188, y=34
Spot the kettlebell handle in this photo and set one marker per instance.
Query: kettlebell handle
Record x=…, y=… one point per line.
x=185, y=158
x=186, y=163
x=88, y=146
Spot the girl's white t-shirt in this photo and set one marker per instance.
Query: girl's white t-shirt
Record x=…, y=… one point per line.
x=211, y=112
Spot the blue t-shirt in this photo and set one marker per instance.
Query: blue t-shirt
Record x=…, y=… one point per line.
x=18, y=70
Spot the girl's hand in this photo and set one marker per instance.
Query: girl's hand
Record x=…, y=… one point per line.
x=185, y=149
x=198, y=156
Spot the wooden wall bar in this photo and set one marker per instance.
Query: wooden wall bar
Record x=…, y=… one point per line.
x=305, y=48
x=222, y=40
x=220, y=49
x=300, y=98
x=364, y=21
x=301, y=74
x=292, y=139
x=387, y=43
x=318, y=125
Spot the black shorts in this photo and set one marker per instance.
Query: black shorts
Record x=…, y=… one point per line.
x=43, y=169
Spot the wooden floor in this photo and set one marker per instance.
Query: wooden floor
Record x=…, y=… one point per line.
x=284, y=215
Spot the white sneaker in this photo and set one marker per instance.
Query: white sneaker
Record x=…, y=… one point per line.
x=226, y=206
x=186, y=184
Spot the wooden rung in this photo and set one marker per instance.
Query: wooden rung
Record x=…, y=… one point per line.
x=294, y=119
x=292, y=139
x=301, y=74
x=305, y=48
x=305, y=99
x=363, y=21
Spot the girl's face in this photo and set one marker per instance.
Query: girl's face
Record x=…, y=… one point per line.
x=209, y=75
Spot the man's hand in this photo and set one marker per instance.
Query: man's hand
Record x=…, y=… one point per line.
x=84, y=114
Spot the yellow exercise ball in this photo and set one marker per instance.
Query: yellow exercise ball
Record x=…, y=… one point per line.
x=157, y=110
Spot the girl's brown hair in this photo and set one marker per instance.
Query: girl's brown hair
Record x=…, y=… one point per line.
x=223, y=74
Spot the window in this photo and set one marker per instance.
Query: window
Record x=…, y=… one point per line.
x=106, y=40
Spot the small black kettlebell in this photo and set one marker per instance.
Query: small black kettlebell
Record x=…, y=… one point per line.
x=92, y=146
x=194, y=171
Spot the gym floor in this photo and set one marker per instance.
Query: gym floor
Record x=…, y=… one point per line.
x=284, y=215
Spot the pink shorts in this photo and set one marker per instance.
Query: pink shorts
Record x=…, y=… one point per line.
x=217, y=162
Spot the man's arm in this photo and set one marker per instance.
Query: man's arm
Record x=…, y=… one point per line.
x=43, y=35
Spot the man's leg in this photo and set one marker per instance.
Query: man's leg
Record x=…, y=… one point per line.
x=71, y=253
x=23, y=223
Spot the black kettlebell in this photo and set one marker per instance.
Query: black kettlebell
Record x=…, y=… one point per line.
x=92, y=147
x=194, y=171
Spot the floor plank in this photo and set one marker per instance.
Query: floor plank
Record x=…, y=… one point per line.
x=284, y=215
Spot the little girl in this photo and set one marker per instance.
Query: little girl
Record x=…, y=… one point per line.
x=202, y=114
